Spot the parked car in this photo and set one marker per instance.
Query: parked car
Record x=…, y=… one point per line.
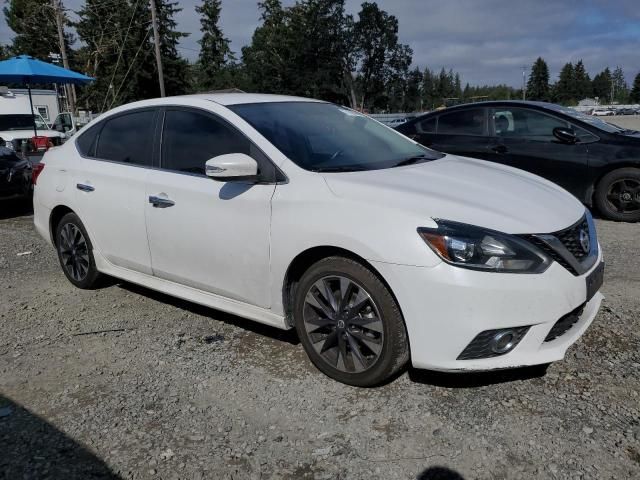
x=300, y=213
x=627, y=111
x=15, y=174
x=603, y=112
x=596, y=161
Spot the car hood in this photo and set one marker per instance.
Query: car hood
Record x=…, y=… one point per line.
x=465, y=190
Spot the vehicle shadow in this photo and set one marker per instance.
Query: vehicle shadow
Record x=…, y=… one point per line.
x=15, y=207
x=476, y=379
x=439, y=473
x=288, y=336
x=30, y=447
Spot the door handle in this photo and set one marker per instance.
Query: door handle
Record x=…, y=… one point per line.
x=500, y=149
x=160, y=202
x=84, y=188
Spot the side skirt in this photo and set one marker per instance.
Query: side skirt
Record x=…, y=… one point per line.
x=191, y=294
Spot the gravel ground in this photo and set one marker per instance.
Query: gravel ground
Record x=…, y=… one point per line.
x=123, y=382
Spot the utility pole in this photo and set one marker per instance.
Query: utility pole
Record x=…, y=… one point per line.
x=156, y=40
x=524, y=83
x=70, y=89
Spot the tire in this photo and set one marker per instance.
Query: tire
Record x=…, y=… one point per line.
x=75, y=253
x=618, y=195
x=364, y=344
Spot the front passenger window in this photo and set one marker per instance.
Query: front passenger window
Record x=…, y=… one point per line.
x=191, y=138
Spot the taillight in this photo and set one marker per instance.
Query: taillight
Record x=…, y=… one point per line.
x=36, y=171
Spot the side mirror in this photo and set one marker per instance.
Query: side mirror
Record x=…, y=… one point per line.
x=231, y=167
x=565, y=135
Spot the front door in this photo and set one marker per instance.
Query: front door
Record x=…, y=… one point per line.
x=213, y=236
x=523, y=138
x=109, y=183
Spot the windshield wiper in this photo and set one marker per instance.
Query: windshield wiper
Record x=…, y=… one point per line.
x=412, y=160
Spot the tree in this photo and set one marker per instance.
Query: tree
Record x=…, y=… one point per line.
x=119, y=52
x=620, y=87
x=634, y=95
x=215, y=54
x=413, y=93
x=301, y=50
x=583, y=88
x=602, y=85
x=565, y=89
x=33, y=22
x=538, y=84
x=377, y=53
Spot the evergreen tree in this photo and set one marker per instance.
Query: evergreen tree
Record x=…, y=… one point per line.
x=119, y=52
x=215, y=54
x=538, y=84
x=602, y=86
x=565, y=88
x=583, y=88
x=413, y=95
x=34, y=24
x=634, y=95
x=620, y=87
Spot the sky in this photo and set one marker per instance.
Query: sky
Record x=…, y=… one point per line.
x=487, y=41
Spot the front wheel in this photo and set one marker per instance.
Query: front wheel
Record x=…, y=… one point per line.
x=618, y=195
x=76, y=253
x=349, y=323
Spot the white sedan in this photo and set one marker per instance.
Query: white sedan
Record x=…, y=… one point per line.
x=303, y=214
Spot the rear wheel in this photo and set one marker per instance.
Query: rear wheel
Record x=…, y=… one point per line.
x=618, y=195
x=76, y=253
x=349, y=323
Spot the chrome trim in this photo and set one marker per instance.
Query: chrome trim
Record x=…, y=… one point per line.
x=553, y=242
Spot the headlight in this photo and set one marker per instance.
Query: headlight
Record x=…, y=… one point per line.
x=477, y=248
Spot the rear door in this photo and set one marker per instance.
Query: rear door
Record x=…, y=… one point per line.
x=459, y=132
x=523, y=138
x=116, y=157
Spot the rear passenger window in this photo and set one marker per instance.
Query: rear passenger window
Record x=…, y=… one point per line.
x=465, y=122
x=86, y=142
x=128, y=138
x=191, y=138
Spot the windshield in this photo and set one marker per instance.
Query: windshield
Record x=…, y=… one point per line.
x=21, y=122
x=591, y=120
x=326, y=137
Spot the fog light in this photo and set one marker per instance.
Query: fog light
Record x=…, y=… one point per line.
x=503, y=342
x=493, y=343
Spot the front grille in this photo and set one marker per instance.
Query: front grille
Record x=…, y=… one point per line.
x=480, y=346
x=570, y=238
x=565, y=323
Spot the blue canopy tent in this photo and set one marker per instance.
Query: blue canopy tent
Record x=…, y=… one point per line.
x=28, y=70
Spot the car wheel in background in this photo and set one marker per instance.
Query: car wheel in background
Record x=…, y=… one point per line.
x=349, y=323
x=76, y=253
x=618, y=195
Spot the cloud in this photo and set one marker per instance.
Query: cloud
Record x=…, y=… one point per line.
x=487, y=41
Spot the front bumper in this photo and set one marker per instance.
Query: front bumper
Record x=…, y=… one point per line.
x=446, y=307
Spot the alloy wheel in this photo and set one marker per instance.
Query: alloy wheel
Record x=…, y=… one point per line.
x=74, y=252
x=343, y=324
x=624, y=195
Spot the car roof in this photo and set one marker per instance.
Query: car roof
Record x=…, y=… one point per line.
x=502, y=103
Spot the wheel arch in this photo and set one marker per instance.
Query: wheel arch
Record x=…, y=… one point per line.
x=308, y=257
x=56, y=215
